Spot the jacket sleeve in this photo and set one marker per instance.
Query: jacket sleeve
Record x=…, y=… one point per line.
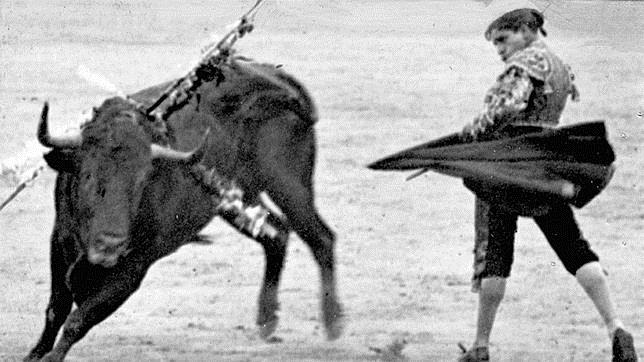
x=509, y=95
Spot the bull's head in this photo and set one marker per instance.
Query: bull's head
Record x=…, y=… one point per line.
x=111, y=159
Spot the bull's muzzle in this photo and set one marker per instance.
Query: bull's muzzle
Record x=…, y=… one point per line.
x=106, y=250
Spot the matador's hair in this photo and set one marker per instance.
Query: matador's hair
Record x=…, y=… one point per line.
x=515, y=19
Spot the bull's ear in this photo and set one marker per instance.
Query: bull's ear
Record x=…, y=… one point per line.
x=62, y=160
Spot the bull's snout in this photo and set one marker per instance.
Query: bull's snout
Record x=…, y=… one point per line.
x=106, y=250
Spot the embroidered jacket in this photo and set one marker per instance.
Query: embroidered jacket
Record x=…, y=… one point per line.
x=532, y=90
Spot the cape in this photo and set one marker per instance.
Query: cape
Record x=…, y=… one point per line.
x=527, y=173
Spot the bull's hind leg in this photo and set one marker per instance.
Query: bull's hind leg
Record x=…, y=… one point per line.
x=123, y=280
x=60, y=303
x=296, y=202
x=285, y=156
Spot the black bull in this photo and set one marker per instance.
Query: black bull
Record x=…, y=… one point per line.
x=120, y=206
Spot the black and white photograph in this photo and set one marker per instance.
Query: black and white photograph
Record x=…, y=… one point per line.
x=321, y=180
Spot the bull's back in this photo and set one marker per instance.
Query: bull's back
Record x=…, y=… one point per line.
x=242, y=82
x=248, y=100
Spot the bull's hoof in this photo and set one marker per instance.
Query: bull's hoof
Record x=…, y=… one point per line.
x=333, y=319
x=274, y=339
x=53, y=357
x=334, y=331
x=334, y=327
x=267, y=328
x=31, y=358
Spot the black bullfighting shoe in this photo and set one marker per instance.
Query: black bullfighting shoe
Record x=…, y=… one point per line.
x=623, y=349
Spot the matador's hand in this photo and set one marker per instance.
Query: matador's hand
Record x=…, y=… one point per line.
x=469, y=132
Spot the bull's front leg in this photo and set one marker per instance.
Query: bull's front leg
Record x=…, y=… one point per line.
x=60, y=303
x=123, y=280
x=296, y=201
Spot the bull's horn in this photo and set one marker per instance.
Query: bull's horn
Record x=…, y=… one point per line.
x=67, y=141
x=189, y=158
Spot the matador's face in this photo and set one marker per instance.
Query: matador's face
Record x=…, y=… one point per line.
x=508, y=42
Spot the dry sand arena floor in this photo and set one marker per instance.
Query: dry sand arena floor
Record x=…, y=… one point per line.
x=386, y=75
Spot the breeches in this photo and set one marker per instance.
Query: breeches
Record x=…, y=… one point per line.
x=494, y=246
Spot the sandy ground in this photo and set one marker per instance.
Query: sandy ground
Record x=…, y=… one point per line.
x=385, y=75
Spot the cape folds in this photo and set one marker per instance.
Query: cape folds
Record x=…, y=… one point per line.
x=572, y=164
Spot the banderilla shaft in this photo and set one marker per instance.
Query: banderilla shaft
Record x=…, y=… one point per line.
x=22, y=186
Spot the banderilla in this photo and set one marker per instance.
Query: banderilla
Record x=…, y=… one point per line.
x=35, y=173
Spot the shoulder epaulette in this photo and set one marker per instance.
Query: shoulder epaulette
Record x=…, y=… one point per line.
x=533, y=60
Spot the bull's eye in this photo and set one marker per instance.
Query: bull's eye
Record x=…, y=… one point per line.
x=93, y=188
